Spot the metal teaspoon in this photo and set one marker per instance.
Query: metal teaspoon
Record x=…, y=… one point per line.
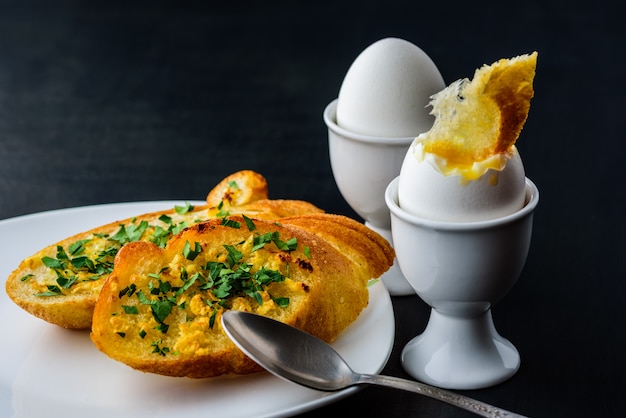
x=297, y=356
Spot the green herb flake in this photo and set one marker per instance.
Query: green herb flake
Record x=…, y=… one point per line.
x=256, y=296
x=234, y=255
x=53, y=290
x=26, y=277
x=372, y=282
x=259, y=241
x=176, y=228
x=130, y=310
x=212, y=318
x=189, y=253
x=160, y=309
x=188, y=283
x=249, y=224
x=135, y=232
x=158, y=349
x=66, y=282
x=231, y=223
x=52, y=263
x=83, y=263
x=78, y=247
x=281, y=302
x=165, y=219
x=128, y=290
x=61, y=254
x=162, y=327
x=160, y=236
x=181, y=210
x=288, y=245
x=130, y=233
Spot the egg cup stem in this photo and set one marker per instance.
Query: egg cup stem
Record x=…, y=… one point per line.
x=460, y=352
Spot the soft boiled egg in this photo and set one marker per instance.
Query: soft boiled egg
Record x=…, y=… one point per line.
x=386, y=90
x=487, y=190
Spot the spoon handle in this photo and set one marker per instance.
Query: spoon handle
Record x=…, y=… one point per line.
x=460, y=401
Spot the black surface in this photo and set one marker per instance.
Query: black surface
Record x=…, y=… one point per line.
x=101, y=103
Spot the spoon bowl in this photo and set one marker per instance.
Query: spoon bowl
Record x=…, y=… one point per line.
x=299, y=357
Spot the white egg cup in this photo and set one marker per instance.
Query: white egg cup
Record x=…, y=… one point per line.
x=461, y=270
x=363, y=166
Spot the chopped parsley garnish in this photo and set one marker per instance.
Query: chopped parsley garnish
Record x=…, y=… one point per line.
x=52, y=263
x=216, y=282
x=130, y=233
x=53, y=290
x=191, y=254
x=222, y=213
x=261, y=240
x=181, y=210
x=249, y=224
x=282, y=302
x=75, y=264
x=66, y=282
x=130, y=310
x=78, y=247
x=26, y=277
x=76, y=267
x=231, y=223
x=158, y=349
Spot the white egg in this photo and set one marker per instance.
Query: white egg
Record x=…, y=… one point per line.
x=386, y=90
x=425, y=192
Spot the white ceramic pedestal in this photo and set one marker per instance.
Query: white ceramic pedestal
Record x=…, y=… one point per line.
x=460, y=353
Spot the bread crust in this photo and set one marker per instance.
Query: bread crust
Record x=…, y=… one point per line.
x=35, y=287
x=509, y=83
x=325, y=275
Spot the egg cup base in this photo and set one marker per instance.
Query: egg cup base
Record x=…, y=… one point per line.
x=462, y=353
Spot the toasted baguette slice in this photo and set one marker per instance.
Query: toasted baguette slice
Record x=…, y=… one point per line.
x=477, y=119
x=159, y=311
x=60, y=283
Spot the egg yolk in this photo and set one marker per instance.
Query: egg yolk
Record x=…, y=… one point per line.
x=451, y=161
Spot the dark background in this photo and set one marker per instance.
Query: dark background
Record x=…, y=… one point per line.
x=106, y=102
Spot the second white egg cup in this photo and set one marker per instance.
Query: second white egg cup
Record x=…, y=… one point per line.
x=461, y=270
x=363, y=166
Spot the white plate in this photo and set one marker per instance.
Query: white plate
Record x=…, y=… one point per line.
x=47, y=371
